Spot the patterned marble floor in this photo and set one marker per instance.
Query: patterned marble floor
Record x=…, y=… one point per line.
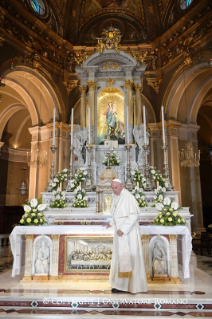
x=192, y=298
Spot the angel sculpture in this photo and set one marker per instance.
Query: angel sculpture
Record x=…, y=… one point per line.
x=138, y=133
x=79, y=139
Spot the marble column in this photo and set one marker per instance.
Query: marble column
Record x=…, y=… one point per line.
x=129, y=86
x=83, y=90
x=28, y=258
x=145, y=247
x=173, y=257
x=138, y=107
x=55, y=256
x=92, y=89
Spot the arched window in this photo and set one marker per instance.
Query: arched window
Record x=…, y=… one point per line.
x=184, y=4
x=38, y=6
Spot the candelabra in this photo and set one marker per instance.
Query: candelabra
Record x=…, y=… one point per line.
x=128, y=183
x=49, y=186
x=147, y=175
x=168, y=184
x=188, y=158
x=88, y=183
x=71, y=171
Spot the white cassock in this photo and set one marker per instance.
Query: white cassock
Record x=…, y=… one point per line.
x=127, y=271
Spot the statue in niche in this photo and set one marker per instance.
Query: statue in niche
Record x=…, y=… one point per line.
x=159, y=259
x=111, y=119
x=42, y=261
x=79, y=139
x=138, y=133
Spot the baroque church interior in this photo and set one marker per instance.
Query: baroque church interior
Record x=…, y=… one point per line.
x=63, y=55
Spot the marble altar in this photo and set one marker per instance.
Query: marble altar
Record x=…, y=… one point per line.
x=63, y=240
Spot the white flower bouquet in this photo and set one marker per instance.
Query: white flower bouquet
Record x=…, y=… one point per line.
x=80, y=198
x=159, y=195
x=138, y=178
x=168, y=214
x=139, y=196
x=34, y=213
x=59, y=199
x=61, y=177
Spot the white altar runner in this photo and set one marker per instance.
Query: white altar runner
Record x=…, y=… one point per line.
x=177, y=242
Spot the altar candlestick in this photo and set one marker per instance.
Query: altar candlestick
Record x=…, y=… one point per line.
x=54, y=126
x=127, y=122
x=89, y=125
x=72, y=124
x=144, y=118
x=163, y=127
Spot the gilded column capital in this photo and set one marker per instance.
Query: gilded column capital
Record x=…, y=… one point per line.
x=172, y=237
x=29, y=237
x=83, y=89
x=145, y=237
x=92, y=85
x=55, y=237
x=129, y=84
x=138, y=87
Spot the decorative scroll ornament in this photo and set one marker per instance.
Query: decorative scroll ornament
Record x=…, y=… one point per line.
x=110, y=82
x=110, y=40
x=155, y=83
x=70, y=85
x=110, y=66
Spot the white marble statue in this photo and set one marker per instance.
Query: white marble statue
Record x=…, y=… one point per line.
x=79, y=139
x=159, y=259
x=138, y=133
x=42, y=260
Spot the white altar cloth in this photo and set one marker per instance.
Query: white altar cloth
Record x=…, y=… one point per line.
x=17, y=239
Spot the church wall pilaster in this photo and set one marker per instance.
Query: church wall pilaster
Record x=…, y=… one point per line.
x=138, y=106
x=83, y=90
x=92, y=90
x=129, y=103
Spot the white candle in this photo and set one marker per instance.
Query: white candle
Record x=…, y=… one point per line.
x=72, y=125
x=54, y=126
x=89, y=125
x=163, y=127
x=144, y=119
x=127, y=124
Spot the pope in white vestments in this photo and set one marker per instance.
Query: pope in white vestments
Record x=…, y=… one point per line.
x=127, y=266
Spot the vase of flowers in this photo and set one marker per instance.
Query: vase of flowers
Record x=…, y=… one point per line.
x=139, y=195
x=59, y=179
x=168, y=214
x=80, y=198
x=59, y=199
x=138, y=178
x=34, y=213
x=159, y=195
x=111, y=159
x=157, y=177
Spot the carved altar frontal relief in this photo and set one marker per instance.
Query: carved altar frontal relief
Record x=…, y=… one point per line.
x=110, y=116
x=88, y=253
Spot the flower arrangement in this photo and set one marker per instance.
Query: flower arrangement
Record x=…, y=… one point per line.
x=210, y=228
x=138, y=178
x=157, y=176
x=159, y=195
x=80, y=198
x=168, y=214
x=78, y=178
x=61, y=177
x=112, y=158
x=34, y=213
x=59, y=199
x=139, y=195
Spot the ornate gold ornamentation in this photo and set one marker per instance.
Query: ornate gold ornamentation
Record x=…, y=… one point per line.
x=138, y=87
x=110, y=66
x=155, y=83
x=145, y=237
x=110, y=82
x=81, y=57
x=129, y=84
x=83, y=89
x=110, y=40
x=29, y=237
x=172, y=237
x=70, y=85
x=92, y=85
x=55, y=237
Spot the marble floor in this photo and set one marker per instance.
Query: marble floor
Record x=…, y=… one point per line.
x=93, y=299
